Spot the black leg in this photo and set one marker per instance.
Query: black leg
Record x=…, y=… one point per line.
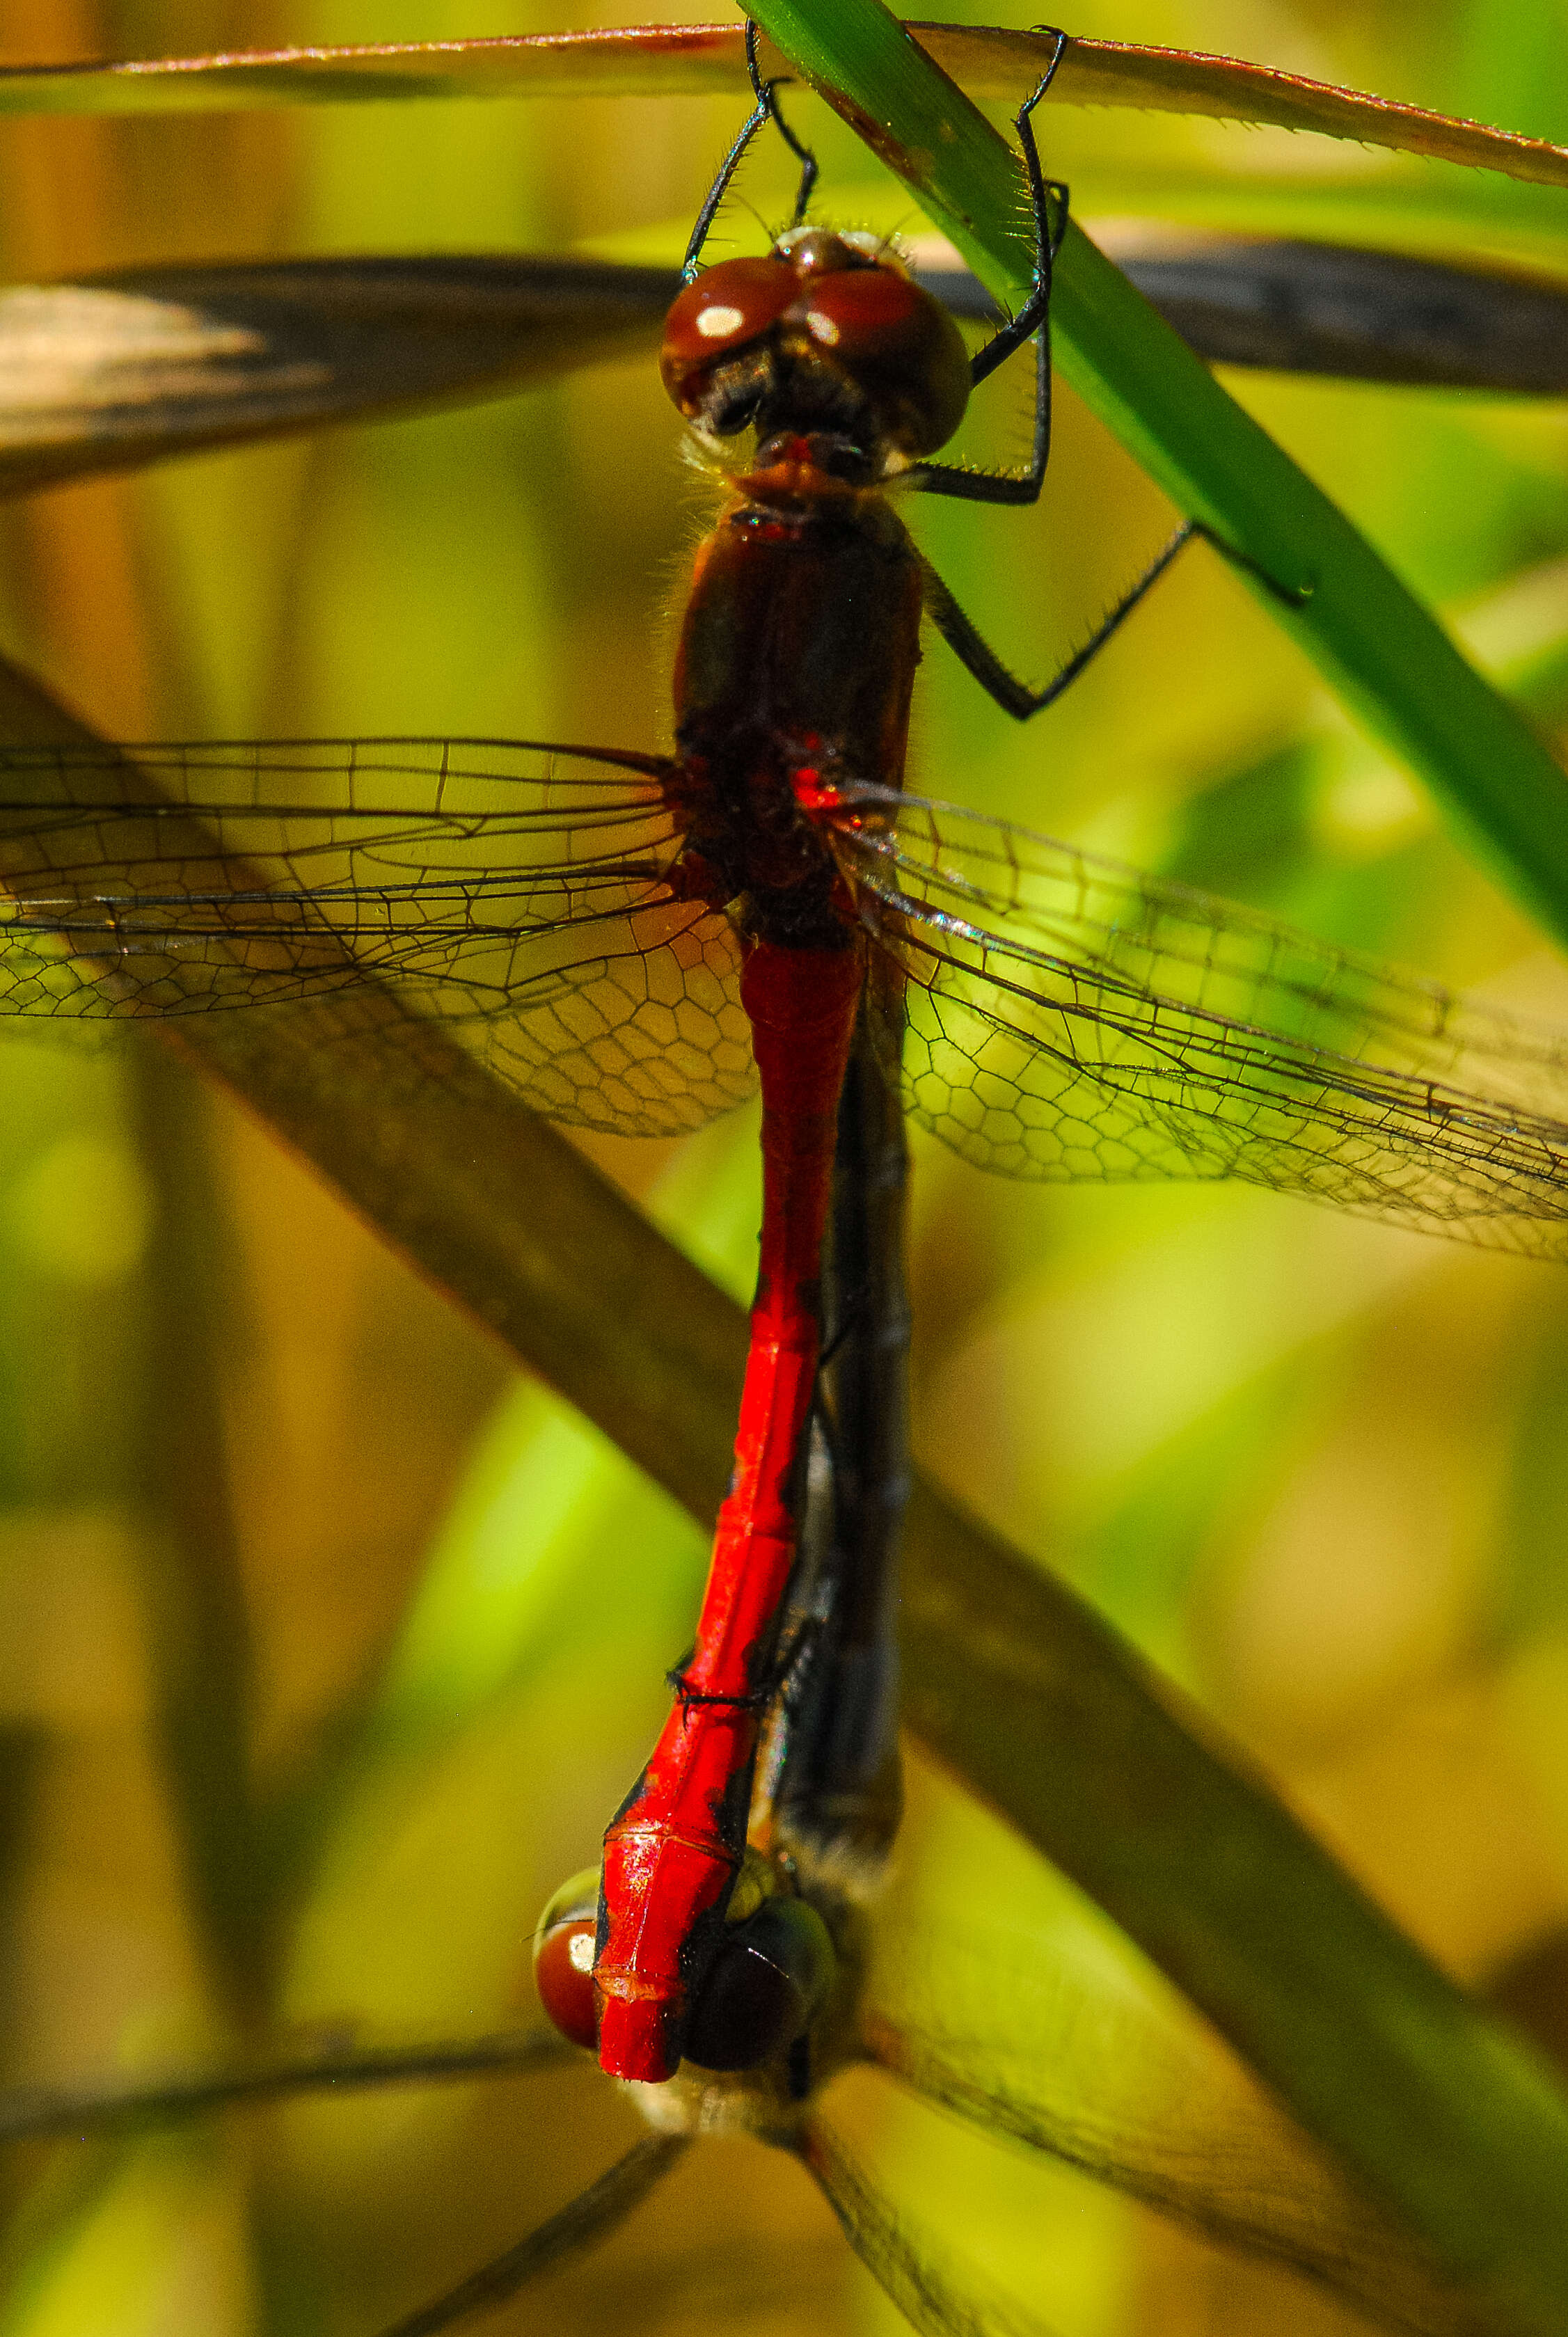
x=797, y=2068
x=1033, y=319
x=765, y=110
x=801, y=152
x=1016, y=697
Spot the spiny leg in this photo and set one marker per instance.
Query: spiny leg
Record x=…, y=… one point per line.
x=765, y=110
x=114, y=2105
x=1016, y=697
x=587, y=2218
x=1033, y=318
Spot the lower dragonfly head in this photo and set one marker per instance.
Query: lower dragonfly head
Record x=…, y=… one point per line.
x=769, y=2017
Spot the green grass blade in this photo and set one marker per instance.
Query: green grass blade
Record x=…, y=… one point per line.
x=1373, y=641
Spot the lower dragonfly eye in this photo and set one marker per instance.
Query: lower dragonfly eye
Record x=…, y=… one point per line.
x=564, y=1944
x=764, y=1986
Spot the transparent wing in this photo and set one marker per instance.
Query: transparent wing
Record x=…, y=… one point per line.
x=1069, y=1019
x=517, y=891
x=933, y=2303
x=1050, y=2052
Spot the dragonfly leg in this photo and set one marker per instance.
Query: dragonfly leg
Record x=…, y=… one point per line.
x=798, y=2068
x=1048, y=202
x=765, y=110
x=1016, y=697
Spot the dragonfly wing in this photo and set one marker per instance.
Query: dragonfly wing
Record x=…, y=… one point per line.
x=1040, y=2045
x=1069, y=1019
x=517, y=892
x=1234, y=2170
x=931, y=2301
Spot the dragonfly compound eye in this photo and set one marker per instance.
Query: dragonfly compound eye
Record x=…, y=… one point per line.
x=764, y=1986
x=564, y=1945
x=727, y=309
x=898, y=346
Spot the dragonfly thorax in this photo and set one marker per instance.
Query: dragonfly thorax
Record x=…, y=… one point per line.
x=826, y=340
x=793, y=677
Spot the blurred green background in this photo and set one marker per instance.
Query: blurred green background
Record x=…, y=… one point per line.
x=326, y=1645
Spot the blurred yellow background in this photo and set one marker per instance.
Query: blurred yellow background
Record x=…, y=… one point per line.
x=328, y=1647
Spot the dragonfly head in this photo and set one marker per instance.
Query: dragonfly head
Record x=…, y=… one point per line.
x=766, y=1976
x=564, y=1959
x=829, y=339
x=770, y=1973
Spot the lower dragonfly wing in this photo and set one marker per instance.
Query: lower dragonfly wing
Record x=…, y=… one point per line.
x=1039, y=2043
x=934, y=2301
x=1231, y=2168
x=1069, y=1019
x=517, y=892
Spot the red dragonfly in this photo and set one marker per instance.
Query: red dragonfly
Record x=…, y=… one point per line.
x=629, y=937
x=1020, y=2063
